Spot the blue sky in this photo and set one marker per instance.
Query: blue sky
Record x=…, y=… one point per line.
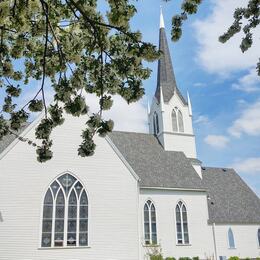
x=222, y=82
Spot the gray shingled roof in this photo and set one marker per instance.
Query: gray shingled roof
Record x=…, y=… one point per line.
x=7, y=140
x=231, y=200
x=155, y=166
x=165, y=75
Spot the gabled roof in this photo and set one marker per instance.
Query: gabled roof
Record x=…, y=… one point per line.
x=230, y=199
x=155, y=166
x=165, y=76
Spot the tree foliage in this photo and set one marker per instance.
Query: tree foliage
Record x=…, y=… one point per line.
x=245, y=19
x=81, y=51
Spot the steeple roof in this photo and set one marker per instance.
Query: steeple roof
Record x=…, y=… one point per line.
x=165, y=76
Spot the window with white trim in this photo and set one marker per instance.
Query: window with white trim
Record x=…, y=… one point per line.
x=231, y=240
x=65, y=214
x=174, y=121
x=182, y=224
x=258, y=237
x=155, y=123
x=180, y=121
x=177, y=120
x=150, y=230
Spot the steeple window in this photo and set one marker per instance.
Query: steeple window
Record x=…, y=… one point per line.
x=174, y=121
x=177, y=121
x=180, y=121
x=155, y=123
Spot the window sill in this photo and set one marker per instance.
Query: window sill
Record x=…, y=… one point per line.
x=63, y=247
x=151, y=245
x=183, y=245
x=232, y=248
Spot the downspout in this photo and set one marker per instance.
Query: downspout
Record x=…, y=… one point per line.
x=214, y=240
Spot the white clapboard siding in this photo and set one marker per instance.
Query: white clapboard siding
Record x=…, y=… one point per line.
x=112, y=191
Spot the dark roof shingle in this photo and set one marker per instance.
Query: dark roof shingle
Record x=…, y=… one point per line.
x=155, y=166
x=230, y=199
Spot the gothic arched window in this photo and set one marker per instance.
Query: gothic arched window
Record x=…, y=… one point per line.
x=180, y=121
x=65, y=214
x=150, y=230
x=174, y=121
x=182, y=223
x=155, y=123
x=231, y=240
x=258, y=236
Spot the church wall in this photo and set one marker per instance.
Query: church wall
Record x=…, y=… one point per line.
x=112, y=193
x=200, y=234
x=245, y=237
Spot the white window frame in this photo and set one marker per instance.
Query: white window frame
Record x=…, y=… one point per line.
x=156, y=127
x=177, y=110
x=66, y=199
x=182, y=229
x=150, y=224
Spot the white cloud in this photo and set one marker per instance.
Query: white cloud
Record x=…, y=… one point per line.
x=201, y=120
x=248, y=83
x=250, y=166
x=216, y=141
x=248, y=123
x=126, y=117
x=220, y=58
x=199, y=84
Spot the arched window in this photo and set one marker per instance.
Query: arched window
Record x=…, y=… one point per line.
x=150, y=230
x=231, y=240
x=258, y=236
x=65, y=214
x=155, y=123
x=174, y=121
x=182, y=223
x=180, y=121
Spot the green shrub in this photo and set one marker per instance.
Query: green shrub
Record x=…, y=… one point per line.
x=258, y=258
x=233, y=258
x=170, y=258
x=247, y=258
x=156, y=257
x=185, y=258
x=195, y=258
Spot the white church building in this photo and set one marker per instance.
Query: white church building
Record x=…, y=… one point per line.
x=136, y=193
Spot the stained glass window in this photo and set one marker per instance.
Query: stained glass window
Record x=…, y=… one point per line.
x=150, y=230
x=65, y=214
x=181, y=223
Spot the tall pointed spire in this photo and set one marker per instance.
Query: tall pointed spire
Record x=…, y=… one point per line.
x=161, y=19
x=165, y=77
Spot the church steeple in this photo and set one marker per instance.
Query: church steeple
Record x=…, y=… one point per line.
x=170, y=115
x=165, y=77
